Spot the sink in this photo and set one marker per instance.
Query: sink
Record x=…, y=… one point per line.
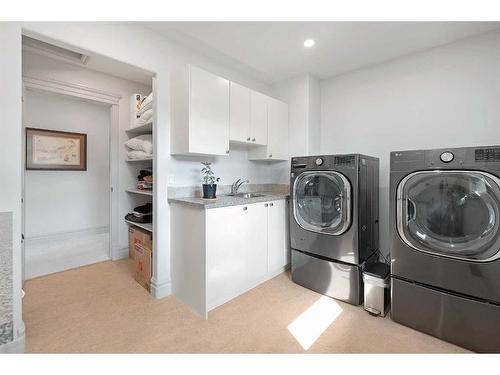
x=248, y=195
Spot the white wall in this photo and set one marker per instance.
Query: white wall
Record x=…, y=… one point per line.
x=66, y=201
x=444, y=97
x=10, y=156
x=314, y=115
x=303, y=95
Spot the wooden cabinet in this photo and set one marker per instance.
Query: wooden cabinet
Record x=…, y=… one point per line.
x=200, y=113
x=248, y=116
x=220, y=253
x=277, y=133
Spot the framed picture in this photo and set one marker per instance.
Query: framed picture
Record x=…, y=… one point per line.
x=54, y=150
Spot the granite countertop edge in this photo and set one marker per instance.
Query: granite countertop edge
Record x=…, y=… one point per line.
x=226, y=200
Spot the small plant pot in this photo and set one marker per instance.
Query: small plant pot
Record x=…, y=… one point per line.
x=209, y=191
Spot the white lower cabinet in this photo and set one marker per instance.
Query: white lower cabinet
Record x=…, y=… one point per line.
x=278, y=254
x=238, y=247
x=236, y=251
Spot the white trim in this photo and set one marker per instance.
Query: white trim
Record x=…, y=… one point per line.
x=71, y=89
x=160, y=290
x=114, y=180
x=63, y=235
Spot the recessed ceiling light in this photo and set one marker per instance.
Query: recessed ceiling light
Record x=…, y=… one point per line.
x=308, y=43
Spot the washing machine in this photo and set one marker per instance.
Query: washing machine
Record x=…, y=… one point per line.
x=333, y=222
x=445, y=224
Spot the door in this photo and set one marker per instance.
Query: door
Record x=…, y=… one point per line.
x=322, y=202
x=277, y=130
x=277, y=238
x=209, y=113
x=453, y=214
x=258, y=118
x=239, y=117
x=236, y=251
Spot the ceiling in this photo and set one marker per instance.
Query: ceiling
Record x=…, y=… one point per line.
x=273, y=51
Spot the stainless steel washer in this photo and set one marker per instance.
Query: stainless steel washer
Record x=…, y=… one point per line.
x=333, y=222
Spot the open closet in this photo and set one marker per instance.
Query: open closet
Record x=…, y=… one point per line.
x=88, y=125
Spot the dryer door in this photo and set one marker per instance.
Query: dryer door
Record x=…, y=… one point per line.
x=322, y=202
x=452, y=213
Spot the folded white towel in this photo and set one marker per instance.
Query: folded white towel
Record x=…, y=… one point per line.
x=137, y=154
x=147, y=116
x=142, y=142
x=146, y=104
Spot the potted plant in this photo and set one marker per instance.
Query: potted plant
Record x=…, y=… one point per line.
x=209, y=181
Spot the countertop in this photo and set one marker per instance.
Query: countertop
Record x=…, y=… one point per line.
x=227, y=200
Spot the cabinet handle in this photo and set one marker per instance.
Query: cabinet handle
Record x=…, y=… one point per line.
x=271, y=204
x=227, y=151
x=245, y=208
x=265, y=205
x=253, y=140
x=248, y=138
x=270, y=155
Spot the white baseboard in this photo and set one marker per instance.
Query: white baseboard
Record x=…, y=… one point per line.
x=160, y=290
x=119, y=253
x=18, y=345
x=66, y=235
x=275, y=273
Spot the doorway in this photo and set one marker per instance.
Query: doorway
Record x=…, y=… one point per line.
x=67, y=218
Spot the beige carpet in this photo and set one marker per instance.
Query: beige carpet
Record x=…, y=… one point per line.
x=101, y=309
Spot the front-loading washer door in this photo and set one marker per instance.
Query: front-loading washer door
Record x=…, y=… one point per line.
x=322, y=202
x=451, y=213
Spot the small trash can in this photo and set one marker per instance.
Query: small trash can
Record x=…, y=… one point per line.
x=377, y=288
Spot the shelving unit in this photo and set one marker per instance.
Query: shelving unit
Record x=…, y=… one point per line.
x=146, y=226
x=141, y=192
x=138, y=160
x=137, y=197
x=143, y=129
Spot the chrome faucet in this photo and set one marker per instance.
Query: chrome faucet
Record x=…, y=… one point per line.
x=236, y=185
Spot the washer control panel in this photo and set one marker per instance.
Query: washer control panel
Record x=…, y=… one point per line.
x=447, y=157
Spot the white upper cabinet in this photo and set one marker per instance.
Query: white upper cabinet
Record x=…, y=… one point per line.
x=200, y=113
x=258, y=118
x=248, y=116
x=239, y=117
x=277, y=133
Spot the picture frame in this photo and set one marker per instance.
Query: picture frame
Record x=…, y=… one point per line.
x=54, y=150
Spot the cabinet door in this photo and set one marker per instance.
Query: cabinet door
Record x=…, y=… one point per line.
x=208, y=113
x=239, y=117
x=277, y=238
x=278, y=130
x=236, y=251
x=258, y=118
